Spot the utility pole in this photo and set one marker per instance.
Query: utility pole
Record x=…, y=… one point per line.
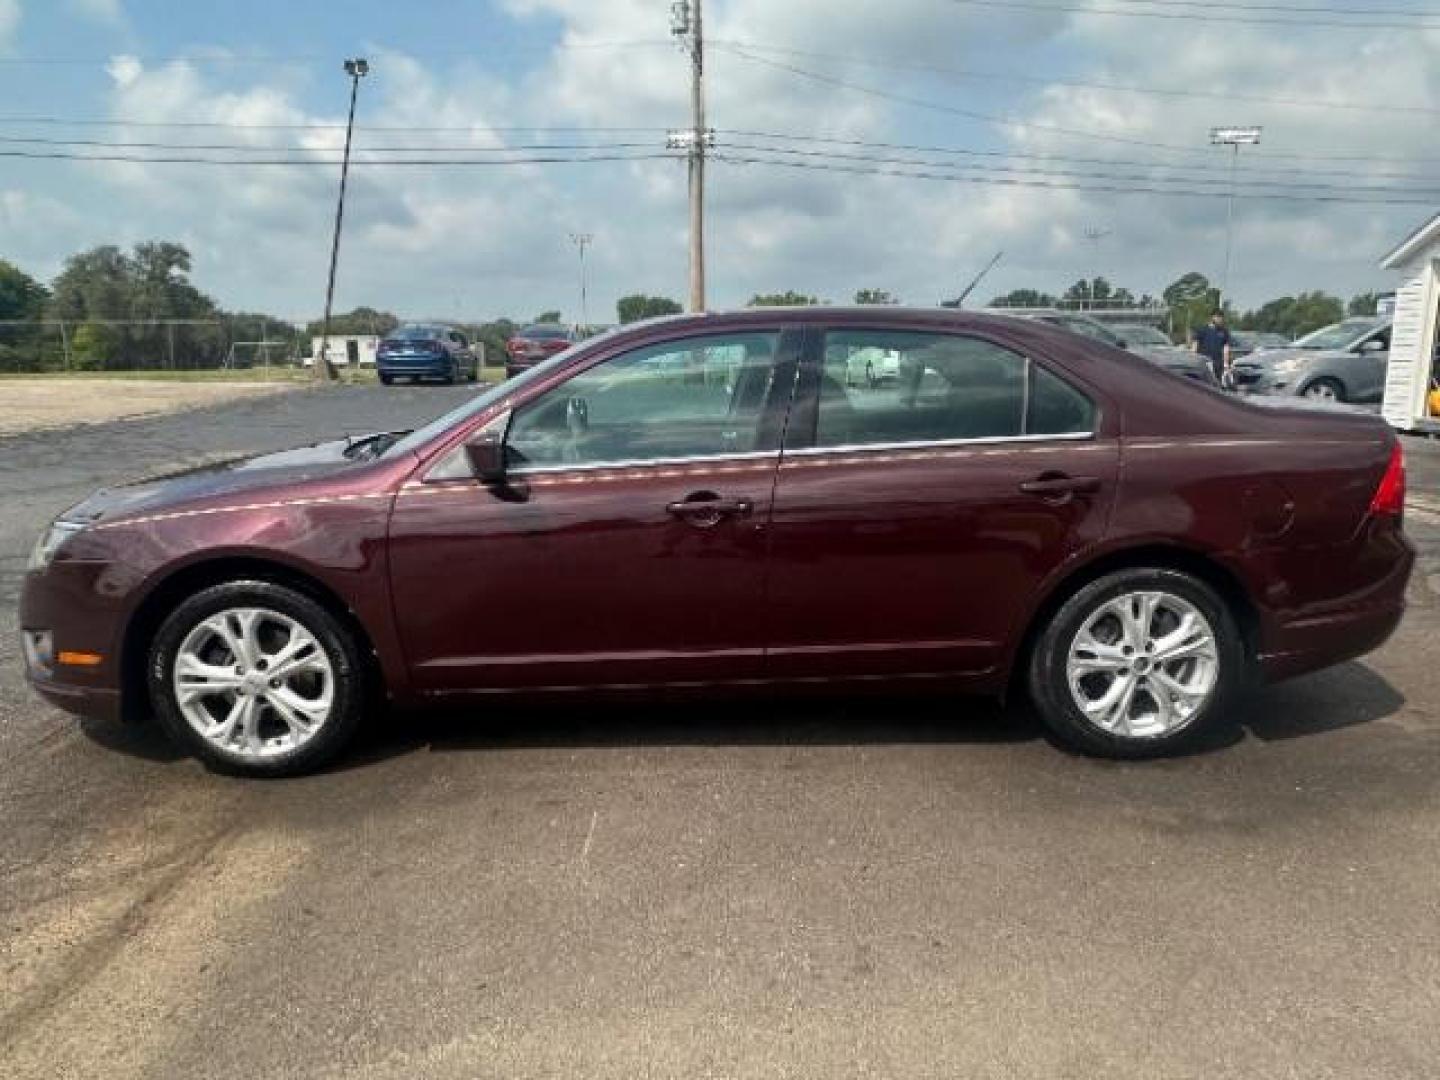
x=357, y=69
x=1233, y=137
x=687, y=24
x=582, y=241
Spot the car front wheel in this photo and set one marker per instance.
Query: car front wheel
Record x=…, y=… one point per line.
x=257, y=679
x=1325, y=390
x=1137, y=664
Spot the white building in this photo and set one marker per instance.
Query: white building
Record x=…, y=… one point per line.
x=346, y=350
x=1413, y=369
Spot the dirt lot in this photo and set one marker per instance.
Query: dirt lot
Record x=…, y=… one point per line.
x=36, y=404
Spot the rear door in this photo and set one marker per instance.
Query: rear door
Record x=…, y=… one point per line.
x=914, y=521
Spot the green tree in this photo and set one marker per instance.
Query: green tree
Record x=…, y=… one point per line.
x=1191, y=298
x=1296, y=315
x=360, y=320
x=1096, y=290
x=638, y=306
x=1024, y=298
x=874, y=296
x=548, y=317
x=788, y=298
x=21, y=297
x=1363, y=305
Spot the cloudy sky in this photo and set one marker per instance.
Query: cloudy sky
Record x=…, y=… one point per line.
x=1070, y=134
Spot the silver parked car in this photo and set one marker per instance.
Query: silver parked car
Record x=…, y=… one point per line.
x=1143, y=343
x=1343, y=362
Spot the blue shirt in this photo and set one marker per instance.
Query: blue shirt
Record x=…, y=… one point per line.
x=1210, y=341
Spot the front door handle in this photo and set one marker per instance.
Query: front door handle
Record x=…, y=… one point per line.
x=1060, y=487
x=705, y=508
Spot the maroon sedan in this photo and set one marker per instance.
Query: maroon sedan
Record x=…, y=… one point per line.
x=534, y=343
x=713, y=501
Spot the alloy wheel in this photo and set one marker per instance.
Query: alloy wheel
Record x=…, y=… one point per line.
x=1143, y=665
x=253, y=682
x=1322, y=391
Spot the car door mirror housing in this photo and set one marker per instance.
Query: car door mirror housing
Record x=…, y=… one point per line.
x=486, y=453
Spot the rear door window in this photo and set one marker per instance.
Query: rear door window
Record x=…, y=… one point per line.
x=891, y=387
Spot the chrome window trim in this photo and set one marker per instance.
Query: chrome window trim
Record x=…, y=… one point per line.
x=988, y=440
x=642, y=463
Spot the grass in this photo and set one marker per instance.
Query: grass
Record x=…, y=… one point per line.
x=361, y=377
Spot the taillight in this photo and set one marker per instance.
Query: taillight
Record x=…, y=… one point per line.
x=1390, y=495
x=515, y=345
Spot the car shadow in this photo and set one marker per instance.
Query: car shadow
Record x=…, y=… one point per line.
x=768, y=721
x=1343, y=697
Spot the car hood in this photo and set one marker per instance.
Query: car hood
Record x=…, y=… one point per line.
x=1270, y=356
x=219, y=478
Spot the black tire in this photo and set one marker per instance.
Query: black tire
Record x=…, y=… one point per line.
x=1050, y=688
x=1317, y=389
x=386, y=380
x=454, y=376
x=338, y=642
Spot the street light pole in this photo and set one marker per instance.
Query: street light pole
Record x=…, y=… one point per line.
x=357, y=68
x=582, y=241
x=1234, y=138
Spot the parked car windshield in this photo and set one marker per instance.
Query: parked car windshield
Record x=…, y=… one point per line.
x=1338, y=336
x=543, y=333
x=416, y=333
x=487, y=397
x=1143, y=335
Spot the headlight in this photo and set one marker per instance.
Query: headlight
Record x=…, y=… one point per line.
x=1288, y=366
x=50, y=541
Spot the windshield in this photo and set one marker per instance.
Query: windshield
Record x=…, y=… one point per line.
x=416, y=333
x=545, y=333
x=1339, y=336
x=1142, y=335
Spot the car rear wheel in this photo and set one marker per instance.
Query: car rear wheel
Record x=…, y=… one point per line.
x=386, y=380
x=257, y=679
x=1137, y=664
x=1325, y=390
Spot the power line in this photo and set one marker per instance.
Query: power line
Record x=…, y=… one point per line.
x=310, y=58
x=922, y=103
x=1039, y=80
x=1059, y=185
x=1063, y=159
x=251, y=148
x=1290, y=185
x=64, y=121
x=56, y=155
x=1207, y=15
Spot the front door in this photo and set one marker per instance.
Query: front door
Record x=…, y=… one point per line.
x=914, y=519
x=628, y=548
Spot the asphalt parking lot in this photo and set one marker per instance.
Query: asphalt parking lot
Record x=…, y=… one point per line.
x=881, y=887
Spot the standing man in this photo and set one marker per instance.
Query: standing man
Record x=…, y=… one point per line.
x=1213, y=342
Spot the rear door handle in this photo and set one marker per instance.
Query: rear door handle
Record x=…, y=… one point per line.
x=1059, y=487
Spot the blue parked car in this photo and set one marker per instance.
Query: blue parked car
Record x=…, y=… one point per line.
x=426, y=351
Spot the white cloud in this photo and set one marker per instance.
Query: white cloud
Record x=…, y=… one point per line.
x=9, y=22
x=104, y=11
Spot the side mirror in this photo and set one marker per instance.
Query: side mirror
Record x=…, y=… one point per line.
x=486, y=453
x=1374, y=345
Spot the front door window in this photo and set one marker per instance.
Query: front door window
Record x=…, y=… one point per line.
x=695, y=398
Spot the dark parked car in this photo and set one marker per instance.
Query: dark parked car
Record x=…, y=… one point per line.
x=1343, y=362
x=536, y=342
x=426, y=352
x=701, y=502
x=1143, y=341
